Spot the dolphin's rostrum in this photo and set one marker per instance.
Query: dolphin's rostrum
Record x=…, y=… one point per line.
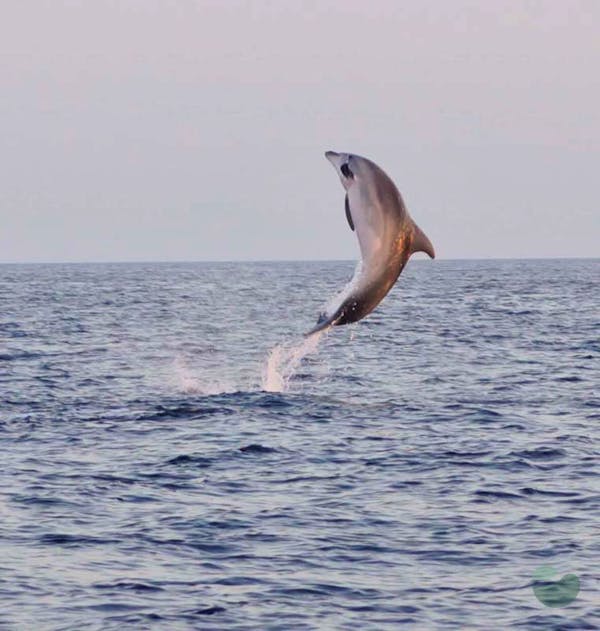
x=387, y=236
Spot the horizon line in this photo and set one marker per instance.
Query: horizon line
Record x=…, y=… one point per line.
x=292, y=260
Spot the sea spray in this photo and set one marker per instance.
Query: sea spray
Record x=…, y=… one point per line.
x=279, y=368
x=187, y=381
x=284, y=360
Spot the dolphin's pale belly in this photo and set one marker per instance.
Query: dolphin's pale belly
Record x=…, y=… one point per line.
x=375, y=231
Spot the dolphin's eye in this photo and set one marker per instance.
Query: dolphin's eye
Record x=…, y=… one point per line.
x=345, y=169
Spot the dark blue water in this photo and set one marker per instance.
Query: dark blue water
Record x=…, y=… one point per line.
x=417, y=469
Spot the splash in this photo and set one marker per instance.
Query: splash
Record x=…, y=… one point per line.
x=185, y=380
x=284, y=360
x=279, y=368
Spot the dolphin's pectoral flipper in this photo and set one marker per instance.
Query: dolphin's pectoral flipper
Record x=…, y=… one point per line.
x=421, y=243
x=348, y=214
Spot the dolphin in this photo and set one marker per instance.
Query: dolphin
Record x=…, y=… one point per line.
x=387, y=237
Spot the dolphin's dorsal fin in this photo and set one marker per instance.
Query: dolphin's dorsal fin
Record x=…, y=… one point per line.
x=348, y=215
x=421, y=243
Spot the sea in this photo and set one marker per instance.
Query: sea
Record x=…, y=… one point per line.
x=175, y=454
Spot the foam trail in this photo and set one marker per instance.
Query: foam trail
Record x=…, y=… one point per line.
x=283, y=361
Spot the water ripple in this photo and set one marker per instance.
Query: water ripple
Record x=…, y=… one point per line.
x=416, y=469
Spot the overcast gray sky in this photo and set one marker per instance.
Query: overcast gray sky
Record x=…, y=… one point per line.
x=195, y=130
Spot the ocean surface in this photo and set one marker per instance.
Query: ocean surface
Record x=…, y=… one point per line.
x=175, y=455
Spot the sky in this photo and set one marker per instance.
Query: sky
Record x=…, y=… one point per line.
x=192, y=130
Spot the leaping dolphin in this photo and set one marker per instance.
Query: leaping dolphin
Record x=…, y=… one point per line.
x=387, y=236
